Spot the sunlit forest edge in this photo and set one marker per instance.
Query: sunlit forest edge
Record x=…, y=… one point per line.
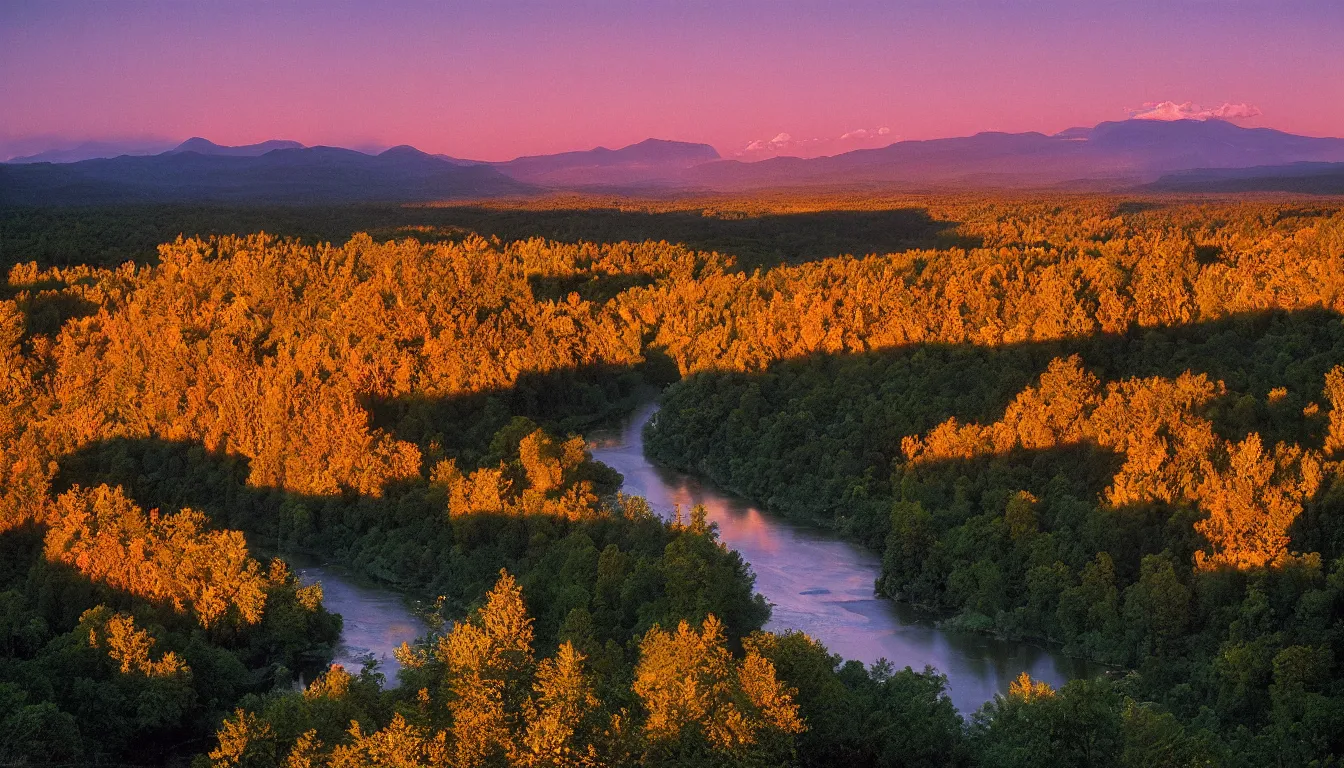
x=1114, y=425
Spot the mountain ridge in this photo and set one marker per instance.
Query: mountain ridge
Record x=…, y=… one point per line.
x=1130, y=152
x=650, y=159
x=1111, y=155
x=206, y=147
x=285, y=175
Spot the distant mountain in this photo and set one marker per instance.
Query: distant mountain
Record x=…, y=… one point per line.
x=206, y=147
x=285, y=176
x=1107, y=156
x=459, y=160
x=1120, y=153
x=985, y=159
x=1156, y=147
x=1079, y=133
x=649, y=160
x=93, y=149
x=1306, y=178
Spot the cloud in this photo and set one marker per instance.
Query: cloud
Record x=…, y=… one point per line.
x=780, y=141
x=864, y=133
x=1170, y=110
x=786, y=143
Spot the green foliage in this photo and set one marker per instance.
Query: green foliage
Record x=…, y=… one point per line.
x=395, y=403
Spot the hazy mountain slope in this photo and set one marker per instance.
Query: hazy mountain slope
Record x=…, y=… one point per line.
x=1307, y=178
x=1030, y=155
x=93, y=149
x=1161, y=147
x=649, y=160
x=207, y=147
x=1117, y=154
x=1132, y=151
x=312, y=175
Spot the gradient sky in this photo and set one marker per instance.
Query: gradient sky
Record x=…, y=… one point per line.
x=495, y=79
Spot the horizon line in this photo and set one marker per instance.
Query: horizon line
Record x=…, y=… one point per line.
x=161, y=145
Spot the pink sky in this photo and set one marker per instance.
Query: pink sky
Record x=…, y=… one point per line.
x=494, y=80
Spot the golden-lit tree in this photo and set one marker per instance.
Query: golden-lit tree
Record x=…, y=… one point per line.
x=689, y=684
x=117, y=634
x=175, y=559
x=244, y=740
x=489, y=660
x=1334, y=394
x=1252, y=502
x=1171, y=455
x=1026, y=689
x=399, y=745
x=563, y=699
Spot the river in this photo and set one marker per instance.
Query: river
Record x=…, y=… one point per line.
x=823, y=586
x=375, y=621
x=814, y=582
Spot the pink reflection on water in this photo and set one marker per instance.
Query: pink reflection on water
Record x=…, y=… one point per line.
x=824, y=586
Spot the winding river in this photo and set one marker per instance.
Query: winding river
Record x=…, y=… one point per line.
x=815, y=583
x=823, y=586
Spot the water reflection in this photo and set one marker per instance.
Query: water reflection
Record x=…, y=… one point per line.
x=375, y=621
x=824, y=586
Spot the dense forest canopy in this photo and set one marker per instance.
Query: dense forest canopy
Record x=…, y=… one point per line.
x=1116, y=425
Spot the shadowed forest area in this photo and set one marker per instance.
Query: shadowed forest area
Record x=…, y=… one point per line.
x=1111, y=424
x=755, y=235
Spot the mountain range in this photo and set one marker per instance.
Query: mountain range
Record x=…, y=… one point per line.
x=206, y=147
x=92, y=150
x=1192, y=155
x=651, y=160
x=255, y=174
x=1117, y=154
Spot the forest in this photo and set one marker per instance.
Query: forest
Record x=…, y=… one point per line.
x=1110, y=425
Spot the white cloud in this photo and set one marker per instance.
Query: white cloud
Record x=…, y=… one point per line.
x=780, y=141
x=1170, y=110
x=785, y=143
x=861, y=134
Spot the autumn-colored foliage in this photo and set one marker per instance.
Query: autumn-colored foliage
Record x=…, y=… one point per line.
x=502, y=706
x=488, y=662
x=1027, y=689
x=175, y=558
x=340, y=399
x=1334, y=393
x=547, y=464
x=116, y=633
x=1171, y=454
x=686, y=679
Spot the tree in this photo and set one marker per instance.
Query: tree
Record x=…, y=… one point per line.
x=1252, y=503
x=1334, y=393
x=488, y=660
x=563, y=701
x=693, y=693
x=1157, y=607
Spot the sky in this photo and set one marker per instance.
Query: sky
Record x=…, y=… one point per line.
x=495, y=79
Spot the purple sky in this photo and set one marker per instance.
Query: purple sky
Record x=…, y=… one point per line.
x=493, y=80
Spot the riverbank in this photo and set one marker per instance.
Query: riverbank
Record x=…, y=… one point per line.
x=823, y=585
